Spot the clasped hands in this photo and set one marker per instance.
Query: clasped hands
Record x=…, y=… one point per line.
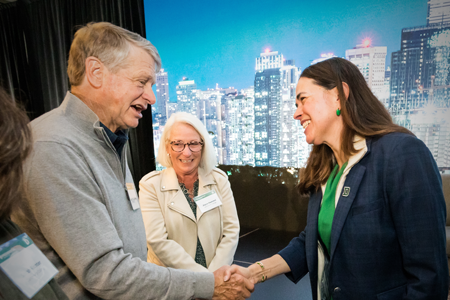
x=232, y=282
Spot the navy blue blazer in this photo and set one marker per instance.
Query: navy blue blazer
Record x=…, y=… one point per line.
x=388, y=234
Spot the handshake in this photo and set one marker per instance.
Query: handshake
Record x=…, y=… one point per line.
x=236, y=282
x=232, y=283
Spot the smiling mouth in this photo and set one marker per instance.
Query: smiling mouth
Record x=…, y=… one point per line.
x=305, y=125
x=186, y=161
x=139, y=108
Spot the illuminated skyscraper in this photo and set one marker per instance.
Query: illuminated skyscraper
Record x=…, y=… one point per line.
x=432, y=126
x=385, y=95
x=420, y=69
x=438, y=11
x=162, y=94
x=290, y=128
x=171, y=108
x=276, y=132
x=232, y=130
x=238, y=128
x=158, y=128
x=267, y=117
x=371, y=62
x=210, y=114
x=247, y=112
x=323, y=56
x=420, y=81
x=187, y=100
x=269, y=60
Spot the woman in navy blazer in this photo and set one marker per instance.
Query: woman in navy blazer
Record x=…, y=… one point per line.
x=386, y=235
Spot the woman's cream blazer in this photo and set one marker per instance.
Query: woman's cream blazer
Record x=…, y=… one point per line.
x=172, y=229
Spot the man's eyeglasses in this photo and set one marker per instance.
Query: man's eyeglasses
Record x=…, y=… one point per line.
x=193, y=146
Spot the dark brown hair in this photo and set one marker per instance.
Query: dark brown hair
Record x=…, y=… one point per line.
x=15, y=145
x=362, y=113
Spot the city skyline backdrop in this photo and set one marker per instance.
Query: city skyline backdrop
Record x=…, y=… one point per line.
x=247, y=104
x=218, y=45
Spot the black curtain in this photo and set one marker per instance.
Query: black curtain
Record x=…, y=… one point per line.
x=35, y=41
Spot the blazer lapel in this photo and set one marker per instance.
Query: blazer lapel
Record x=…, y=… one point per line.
x=204, y=182
x=348, y=194
x=311, y=236
x=178, y=202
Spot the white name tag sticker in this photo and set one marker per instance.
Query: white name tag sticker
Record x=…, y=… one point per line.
x=133, y=196
x=27, y=267
x=207, y=201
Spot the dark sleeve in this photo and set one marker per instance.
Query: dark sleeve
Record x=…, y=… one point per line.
x=295, y=256
x=414, y=190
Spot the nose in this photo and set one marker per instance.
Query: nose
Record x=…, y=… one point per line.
x=298, y=112
x=149, y=95
x=186, y=151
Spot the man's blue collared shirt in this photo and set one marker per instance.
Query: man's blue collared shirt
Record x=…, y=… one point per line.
x=118, y=139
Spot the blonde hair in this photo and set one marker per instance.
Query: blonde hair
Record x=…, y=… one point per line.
x=109, y=43
x=208, y=160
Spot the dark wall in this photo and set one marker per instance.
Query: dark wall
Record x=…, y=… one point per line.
x=35, y=38
x=266, y=197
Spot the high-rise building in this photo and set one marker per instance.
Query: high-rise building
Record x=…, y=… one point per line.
x=420, y=81
x=171, y=108
x=232, y=149
x=290, y=128
x=267, y=117
x=238, y=128
x=323, y=56
x=371, y=62
x=187, y=97
x=162, y=94
x=385, y=95
x=420, y=69
x=277, y=141
x=269, y=60
x=432, y=126
x=247, y=112
x=210, y=114
x=158, y=129
x=438, y=11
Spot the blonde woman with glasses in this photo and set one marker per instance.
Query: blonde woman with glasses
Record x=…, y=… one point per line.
x=188, y=209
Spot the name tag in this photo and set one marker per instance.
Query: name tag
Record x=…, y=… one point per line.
x=207, y=201
x=27, y=267
x=132, y=195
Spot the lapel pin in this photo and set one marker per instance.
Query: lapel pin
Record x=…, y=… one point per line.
x=346, y=191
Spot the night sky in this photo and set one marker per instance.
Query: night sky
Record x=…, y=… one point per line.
x=217, y=41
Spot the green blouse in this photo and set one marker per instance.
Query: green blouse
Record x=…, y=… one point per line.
x=326, y=213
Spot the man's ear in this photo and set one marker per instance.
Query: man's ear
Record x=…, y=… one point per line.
x=94, y=71
x=346, y=89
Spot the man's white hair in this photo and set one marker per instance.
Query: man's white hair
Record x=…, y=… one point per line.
x=109, y=43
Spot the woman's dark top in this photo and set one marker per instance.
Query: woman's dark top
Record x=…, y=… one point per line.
x=199, y=254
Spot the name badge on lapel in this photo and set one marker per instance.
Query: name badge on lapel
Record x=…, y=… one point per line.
x=207, y=201
x=27, y=267
x=346, y=191
x=132, y=195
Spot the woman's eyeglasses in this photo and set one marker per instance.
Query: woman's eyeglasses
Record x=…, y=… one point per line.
x=193, y=146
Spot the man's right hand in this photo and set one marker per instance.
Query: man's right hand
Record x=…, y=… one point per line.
x=236, y=287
